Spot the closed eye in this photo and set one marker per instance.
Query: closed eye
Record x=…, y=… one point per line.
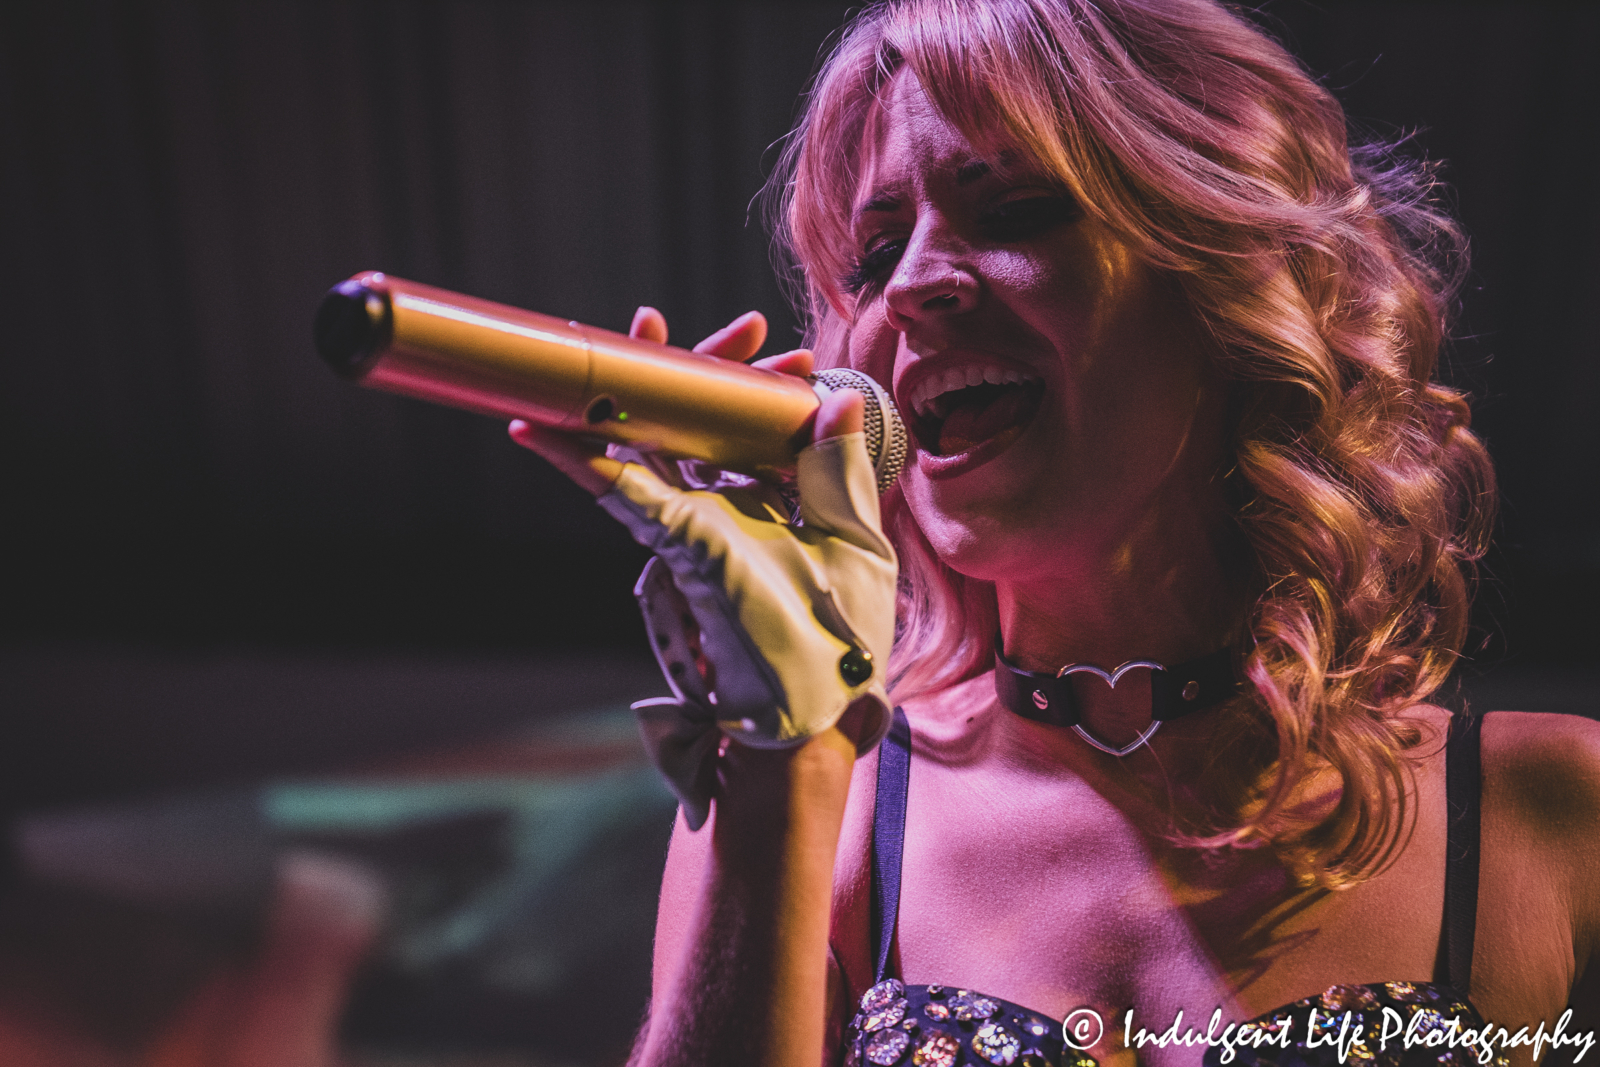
x=874, y=267
x=1031, y=216
x=1008, y=220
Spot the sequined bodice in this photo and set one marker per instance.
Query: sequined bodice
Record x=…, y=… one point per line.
x=941, y=1026
x=1389, y=1024
x=1386, y=1024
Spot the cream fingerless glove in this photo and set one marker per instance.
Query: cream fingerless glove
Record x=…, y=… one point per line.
x=794, y=622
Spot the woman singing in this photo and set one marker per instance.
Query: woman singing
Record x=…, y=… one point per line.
x=1165, y=342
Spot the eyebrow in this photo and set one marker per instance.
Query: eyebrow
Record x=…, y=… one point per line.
x=879, y=201
x=966, y=174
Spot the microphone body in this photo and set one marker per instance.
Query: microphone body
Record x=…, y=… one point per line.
x=404, y=337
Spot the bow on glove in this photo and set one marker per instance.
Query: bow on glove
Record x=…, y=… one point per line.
x=793, y=622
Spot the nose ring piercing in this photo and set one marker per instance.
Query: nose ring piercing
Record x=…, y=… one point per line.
x=952, y=294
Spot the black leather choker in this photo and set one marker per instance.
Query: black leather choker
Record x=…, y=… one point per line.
x=1174, y=691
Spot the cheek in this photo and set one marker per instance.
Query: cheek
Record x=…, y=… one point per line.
x=1043, y=310
x=1013, y=274
x=874, y=345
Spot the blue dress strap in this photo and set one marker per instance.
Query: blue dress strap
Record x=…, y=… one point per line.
x=888, y=836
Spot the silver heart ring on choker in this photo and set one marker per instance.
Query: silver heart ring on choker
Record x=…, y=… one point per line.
x=1174, y=691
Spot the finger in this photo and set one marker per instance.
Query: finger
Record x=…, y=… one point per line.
x=649, y=325
x=800, y=363
x=586, y=464
x=844, y=411
x=739, y=340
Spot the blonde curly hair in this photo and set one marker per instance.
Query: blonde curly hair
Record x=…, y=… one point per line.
x=1325, y=275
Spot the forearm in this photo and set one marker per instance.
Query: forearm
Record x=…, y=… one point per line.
x=745, y=981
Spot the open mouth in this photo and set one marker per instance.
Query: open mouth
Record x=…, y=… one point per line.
x=963, y=407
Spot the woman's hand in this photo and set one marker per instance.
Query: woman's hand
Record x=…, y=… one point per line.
x=788, y=625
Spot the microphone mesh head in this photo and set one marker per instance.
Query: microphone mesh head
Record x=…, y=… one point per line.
x=886, y=433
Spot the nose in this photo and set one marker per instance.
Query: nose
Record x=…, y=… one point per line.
x=928, y=282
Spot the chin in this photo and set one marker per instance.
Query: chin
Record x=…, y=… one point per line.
x=974, y=532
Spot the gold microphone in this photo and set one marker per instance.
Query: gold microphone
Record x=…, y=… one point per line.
x=403, y=337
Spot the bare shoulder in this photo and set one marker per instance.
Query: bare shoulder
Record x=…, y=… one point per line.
x=1546, y=768
x=1541, y=774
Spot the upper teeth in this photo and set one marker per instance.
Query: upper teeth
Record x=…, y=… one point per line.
x=931, y=396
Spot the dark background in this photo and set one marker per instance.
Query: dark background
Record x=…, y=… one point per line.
x=183, y=484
